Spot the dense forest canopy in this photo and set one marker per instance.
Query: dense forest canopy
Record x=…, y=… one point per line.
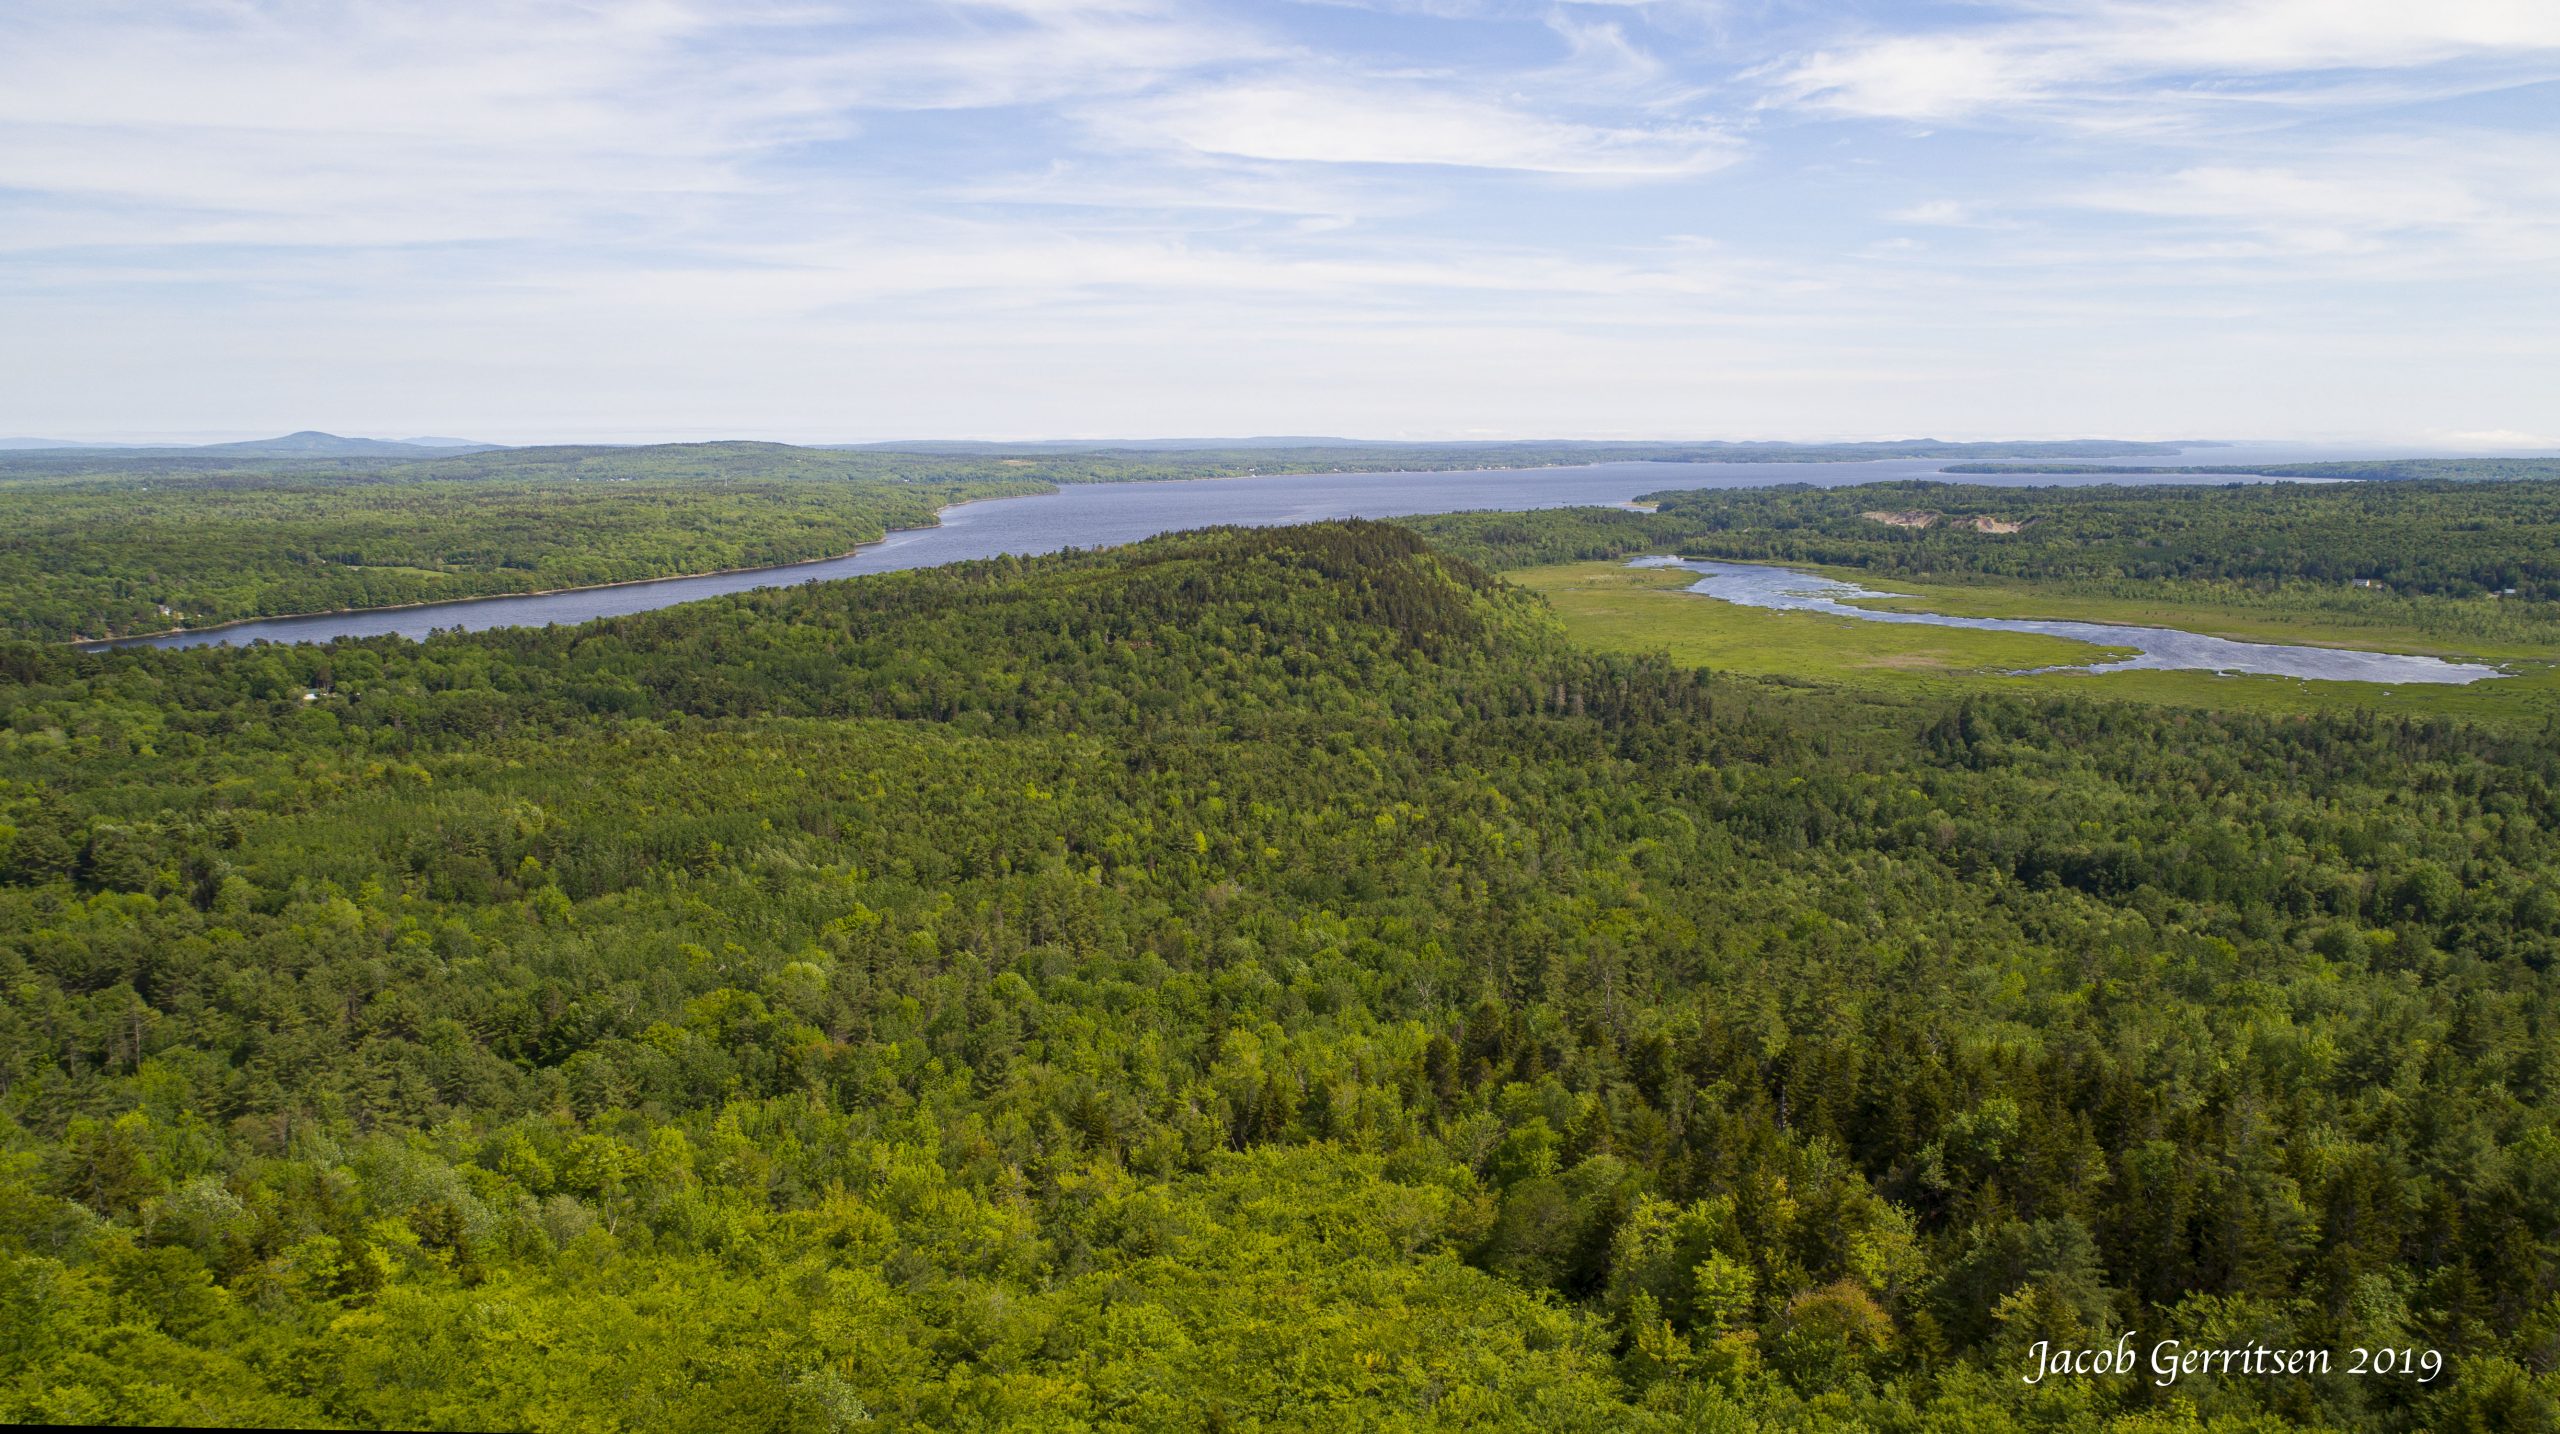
x=1252, y=979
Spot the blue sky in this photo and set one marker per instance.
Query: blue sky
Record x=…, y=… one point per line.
x=2302, y=219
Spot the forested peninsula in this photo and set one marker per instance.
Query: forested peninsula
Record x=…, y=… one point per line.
x=2440, y=538
x=2368, y=469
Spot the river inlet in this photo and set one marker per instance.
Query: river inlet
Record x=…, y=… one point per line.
x=2155, y=648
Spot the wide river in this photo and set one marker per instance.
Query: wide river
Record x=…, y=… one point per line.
x=1757, y=585
x=1094, y=515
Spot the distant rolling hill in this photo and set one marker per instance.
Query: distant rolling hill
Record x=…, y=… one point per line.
x=309, y=443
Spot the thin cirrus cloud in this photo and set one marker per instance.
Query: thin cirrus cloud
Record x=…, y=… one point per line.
x=1392, y=216
x=1391, y=123
x=2447, y=204
x=2180, y=54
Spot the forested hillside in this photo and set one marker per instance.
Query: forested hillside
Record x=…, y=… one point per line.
x=1246, y=980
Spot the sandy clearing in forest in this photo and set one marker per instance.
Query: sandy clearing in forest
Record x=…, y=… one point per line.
x=1922, y=518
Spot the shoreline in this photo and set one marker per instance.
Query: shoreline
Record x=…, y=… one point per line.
x=103, y=644
x=95, y=644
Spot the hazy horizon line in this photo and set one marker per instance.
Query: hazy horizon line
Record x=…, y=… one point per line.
x=2466, y=444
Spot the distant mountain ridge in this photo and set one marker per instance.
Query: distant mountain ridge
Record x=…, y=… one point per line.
x=308, y=443
x=314, y=444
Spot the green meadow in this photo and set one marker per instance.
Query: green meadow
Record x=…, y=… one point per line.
x=1611, y=607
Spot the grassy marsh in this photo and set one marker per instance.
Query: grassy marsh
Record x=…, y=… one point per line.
x=1611, y=607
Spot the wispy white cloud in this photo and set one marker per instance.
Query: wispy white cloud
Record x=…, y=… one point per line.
x=1434, y=215
x=2444, y=204
x=1389, y=123
x=366, y=122
x=2114, y=52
